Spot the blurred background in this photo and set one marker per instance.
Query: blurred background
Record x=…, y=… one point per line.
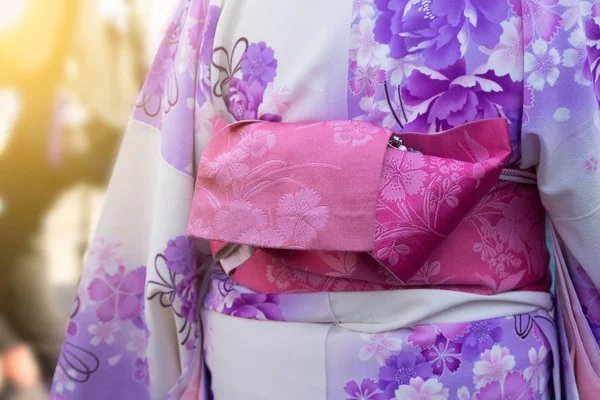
x=70, y=71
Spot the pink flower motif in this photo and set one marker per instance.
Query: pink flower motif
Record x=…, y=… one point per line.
x=538, y=17
x=355, y=132
x=516, y=226
x=513, y=387
x=280, y=275
x=591, y=165
x=507, y=57
x=239, y=217
x=538, y=371
x=426, y=335
x=300, y=217
x=106, y=255
x=366, y=391
x=418, y=389
x=228, y=167
x=120, y=295
x=366, y=78
x=103, y=333
x=267, y=237
x=257, y=142
x=380, y=345
x=402, y=174
x=495, y=364
x=363, y=43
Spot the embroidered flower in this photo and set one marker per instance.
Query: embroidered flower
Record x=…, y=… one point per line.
x=363, y=43
x=542, y=65
x=591, y=165
x=402, y=174
x=418, y=389
x=181, y=254
x=257, y=142
x=141, y=371
x=120, y=295
x=106, y=254
x=507, y=57
x=400, y=369
x=495, y=364
x=513, y=387
x=228, y=167
x=481, y=336
x=103, y=332
x=366, y=391
x=366, y=78
x=381, y=345
x=239, y=217
x=538, y=371
x=355, y=132
x=444, y=354
x=259, y=64
x=300, y=217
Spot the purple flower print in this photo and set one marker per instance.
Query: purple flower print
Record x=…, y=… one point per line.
x=243, y=99
x=444, y=354
x=591, y=165
x=181, y=255
x=162, y=66
x=538, y=18
x=119, y=295
x=141, y=371
x=452, y=97
x=366, y=78
x=187, y=291
x=366, y=391
x=427, y=335
x=400, y=369
x=259, y=64
x=482, y=335
x=256, y=306
x=198, y=12
x=513, y=387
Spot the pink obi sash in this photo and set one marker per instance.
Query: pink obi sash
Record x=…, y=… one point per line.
x=347, y=206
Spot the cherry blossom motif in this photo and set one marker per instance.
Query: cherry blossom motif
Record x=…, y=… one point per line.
x=364, y=8
x=62, y=381
x=257, y=142
x=495, y=364
x=106, y=255
x=418, y=389
x=366, y=391
x=355, y=132
x=427, y=335
x=300, y=217
x=402, y=174
x=513, y=387
x=228, y=167
x=591, y=165
x=138, y=343
x=103, y=332
x=538, y=17
x=463, y=393
x=507, y=57
x=374, y=112
x=542, y=65
x=538, y=371
x=366, y=78
x=239, y=217
x=577, y=57
x=576, y=11
x=118, y=294
x=268, y=237
x=276, y=100
x=381, y=345
x=398, y=69
x=444, y=354
x=363, y=43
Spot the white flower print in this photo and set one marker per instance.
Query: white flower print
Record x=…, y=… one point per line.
x=494, y=366
x=398, y=69
x=106, y=254
x=300, y=217
x=576, y=57
x=538, y=371
x=363, y=42
x=355, y=132
x=562, y=114
x=62, y=381
x=577, y=9
x=507, y=57
x=418, y=389
x=463, y=393
x=239, y=217
x=103, y=332
x=276, y=100
x=138, y=343
x=380, y=345
x=542, y=65
x=364, y=8
x=228, y=167
x=257, y=142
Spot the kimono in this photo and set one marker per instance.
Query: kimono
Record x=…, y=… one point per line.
x=350, y=200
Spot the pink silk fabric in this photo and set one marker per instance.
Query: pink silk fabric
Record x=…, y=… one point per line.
x=330, y=207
